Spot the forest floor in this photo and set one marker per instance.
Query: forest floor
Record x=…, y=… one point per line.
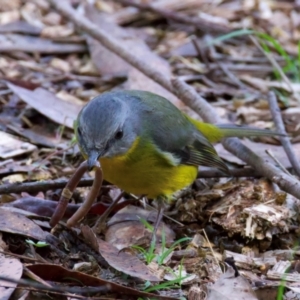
x=224, y=237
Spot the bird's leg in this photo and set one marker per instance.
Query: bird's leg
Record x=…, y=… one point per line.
x=160, y=213
x=101, y=222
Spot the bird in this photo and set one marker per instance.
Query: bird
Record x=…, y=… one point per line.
x=147, y=146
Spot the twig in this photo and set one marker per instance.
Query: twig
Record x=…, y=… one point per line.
x=199, y=23
x=211, y=249
x=201, y=52
x=101, y=222
x=238, y=172
x=285, y=141
x=280, y=165
x=19, y=256
x=276, y=66
x=185, y=92
x=73, y=292
x=235, y=79
x=38, y=186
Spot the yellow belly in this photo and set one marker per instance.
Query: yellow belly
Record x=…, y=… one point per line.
x=145, y=171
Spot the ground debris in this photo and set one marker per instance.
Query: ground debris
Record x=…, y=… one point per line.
x=49, y=69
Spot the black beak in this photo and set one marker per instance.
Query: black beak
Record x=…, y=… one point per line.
x=92, y=160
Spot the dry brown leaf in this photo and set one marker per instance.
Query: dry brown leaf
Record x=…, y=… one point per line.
x=20, y=27
x=18, y=224
x=15, y=42
x=121, y=261
x=51, y=272
x=125, y=228
x=265, y=85
x=10, y=146
x=8, y=5
x=9, y=16
x=57, y=31
x=125, y=262
x=10, y=268
x=60, y=111
x=60, y=64
x=229, y=287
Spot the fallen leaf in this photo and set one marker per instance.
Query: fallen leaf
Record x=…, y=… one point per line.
x=119, y=260
x=39, y=136
x=265, y=85
x=11, y=268
x=20, y=27
x=46, y=208
x=15, y=42
x=11, y=146
x=58, y=110
x=125, y=228
x=230, y=287
x=18, y=224
x=125, y=262
x=57, y=273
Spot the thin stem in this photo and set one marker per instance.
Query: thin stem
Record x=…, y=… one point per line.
x=285, y=141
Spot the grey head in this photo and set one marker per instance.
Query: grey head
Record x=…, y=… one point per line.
x=106, y=126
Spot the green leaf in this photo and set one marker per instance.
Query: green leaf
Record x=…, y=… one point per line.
x=39, y=244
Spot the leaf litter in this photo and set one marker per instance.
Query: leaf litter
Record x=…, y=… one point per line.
x=49, y=70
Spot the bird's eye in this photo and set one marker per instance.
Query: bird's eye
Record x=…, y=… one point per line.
x=119, y=135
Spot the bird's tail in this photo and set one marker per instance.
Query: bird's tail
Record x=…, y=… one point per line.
x=215, y=133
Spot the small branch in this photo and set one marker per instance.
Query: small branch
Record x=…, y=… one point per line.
x=199, y=23
x=101, y=222
x=276, y=66
x=287, y=183
x=273, y=62
x=201, y=52
x=38, y=186
x=235, y=79
x=278, y=163
x=238, y=172
x=285, y=141
x=192, y=99
x=63, y=290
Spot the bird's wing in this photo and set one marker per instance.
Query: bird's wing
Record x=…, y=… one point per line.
x=187, y=145
x=202, y=153
x=174, y=134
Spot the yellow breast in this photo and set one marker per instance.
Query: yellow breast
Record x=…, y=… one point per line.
x=144, y=170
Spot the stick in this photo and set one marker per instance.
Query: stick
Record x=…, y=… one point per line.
x=38, y=186
x=273, y=62
x=201, y=24
x=285, y=141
